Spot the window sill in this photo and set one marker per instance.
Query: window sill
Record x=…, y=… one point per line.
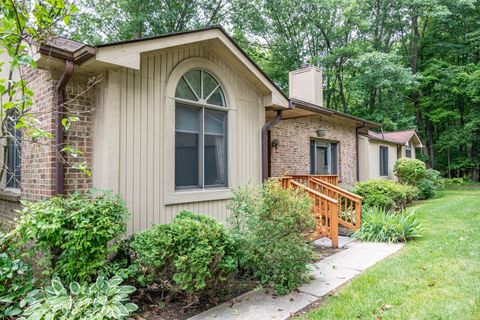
x=12, y=195
x=198, y=195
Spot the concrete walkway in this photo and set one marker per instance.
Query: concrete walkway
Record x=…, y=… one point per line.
x=329, y=274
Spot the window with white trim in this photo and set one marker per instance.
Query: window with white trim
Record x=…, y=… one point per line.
x=200, y=132
x=408, y=150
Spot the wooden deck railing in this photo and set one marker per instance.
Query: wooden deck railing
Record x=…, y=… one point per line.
x=303, y=179
x=324, y=209
x=350, y=204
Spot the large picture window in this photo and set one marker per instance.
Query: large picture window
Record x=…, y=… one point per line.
x=200, y=132
x=383, y=161
x=323, y=157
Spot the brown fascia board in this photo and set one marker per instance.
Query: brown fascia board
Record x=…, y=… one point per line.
x=216, y=27
x=78, y=56
x=318, y=109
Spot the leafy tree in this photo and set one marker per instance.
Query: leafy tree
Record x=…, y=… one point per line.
x=114, y=20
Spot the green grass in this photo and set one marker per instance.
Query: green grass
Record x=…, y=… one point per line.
x=435, y=277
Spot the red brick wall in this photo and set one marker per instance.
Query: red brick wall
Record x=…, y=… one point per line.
x=80, y=103
x=38, y=158
x=292, y=156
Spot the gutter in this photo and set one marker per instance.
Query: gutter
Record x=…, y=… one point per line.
x=59, y=134
x=71, y=58
x=269, y=125
x=357, y=150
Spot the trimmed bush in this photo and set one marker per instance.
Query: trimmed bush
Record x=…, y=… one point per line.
x=385, y=193
x=409, y=171
x=193, y=255
x=74, y=233
x=383, y=225
x=270, y=224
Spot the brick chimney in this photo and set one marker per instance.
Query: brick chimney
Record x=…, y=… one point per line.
x=306, y=84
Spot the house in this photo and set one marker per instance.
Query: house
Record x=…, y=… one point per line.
x=170, y=123
x=173, y=123
x=311, y=139
x=380, y=150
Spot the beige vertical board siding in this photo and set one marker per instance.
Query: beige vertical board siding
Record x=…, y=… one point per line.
x=143, y=153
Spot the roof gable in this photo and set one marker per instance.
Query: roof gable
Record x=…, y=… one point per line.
x=128, y=53
x=398, y=137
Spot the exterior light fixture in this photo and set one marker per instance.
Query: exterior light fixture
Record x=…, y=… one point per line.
x=321, y=132
x=275, y=143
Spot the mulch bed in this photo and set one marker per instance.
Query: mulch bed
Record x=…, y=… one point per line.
x=153, y=306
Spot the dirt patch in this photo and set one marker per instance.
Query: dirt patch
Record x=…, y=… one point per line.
x=153, y=305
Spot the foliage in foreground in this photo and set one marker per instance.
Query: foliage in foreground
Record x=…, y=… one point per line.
x=104, y=299
x=382, y=225
x=270, y=224
x=74, y=233
x=193, y=255
x=385, y=193
x=16, y=278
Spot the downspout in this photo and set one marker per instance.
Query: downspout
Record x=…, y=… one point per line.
x=59, y=134
x=357, y=150
x=269, y=125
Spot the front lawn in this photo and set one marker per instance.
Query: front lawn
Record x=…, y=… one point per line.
x=435, y=277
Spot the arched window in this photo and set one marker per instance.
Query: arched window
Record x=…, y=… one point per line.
x=200, y=132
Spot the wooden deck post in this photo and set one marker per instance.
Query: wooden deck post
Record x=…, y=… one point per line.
x=334, y=225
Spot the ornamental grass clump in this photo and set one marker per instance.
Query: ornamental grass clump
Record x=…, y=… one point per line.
x=383, y=225
x=270, y=224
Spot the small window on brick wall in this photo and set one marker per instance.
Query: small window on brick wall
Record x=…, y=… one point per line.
x=13, y=165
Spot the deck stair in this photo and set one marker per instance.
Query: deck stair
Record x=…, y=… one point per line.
x=331, y=205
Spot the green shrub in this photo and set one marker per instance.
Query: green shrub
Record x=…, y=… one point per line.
x=383, y=225
x=194, y=254
x=270, y=224
x=75, y=233
x=448, y=182
x=429, y=184
x=409, y=171
x=385, y=193
x=104, y=299
x=16, y=278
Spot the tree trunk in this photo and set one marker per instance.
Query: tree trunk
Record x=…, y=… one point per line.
x=475, y=169
x=431, y=153
x=449, y=163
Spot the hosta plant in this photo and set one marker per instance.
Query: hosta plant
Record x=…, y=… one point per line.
x=382, y=225
x=104, y=299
